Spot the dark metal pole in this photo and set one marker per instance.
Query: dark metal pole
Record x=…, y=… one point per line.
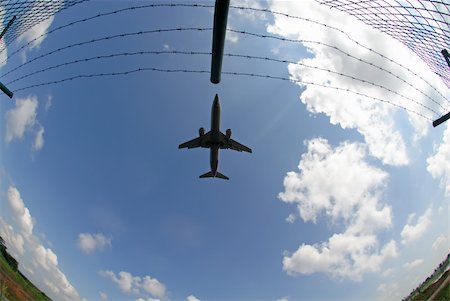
x=219, y=31
x=446, y=56
x=7, y=26
x=441, y=120
x=2, y=86
x=6, y=90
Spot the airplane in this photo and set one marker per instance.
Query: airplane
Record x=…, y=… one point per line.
x=215, y=140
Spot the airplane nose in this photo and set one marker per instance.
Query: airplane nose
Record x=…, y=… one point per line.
x=216, y=100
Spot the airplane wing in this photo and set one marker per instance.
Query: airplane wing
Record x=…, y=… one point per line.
x=191, y=143
x=234, y=145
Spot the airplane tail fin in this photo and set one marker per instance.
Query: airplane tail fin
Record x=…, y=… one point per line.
x=210, y=175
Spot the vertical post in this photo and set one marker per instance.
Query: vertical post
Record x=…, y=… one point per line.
x=446, y=56
x=219, y=31
x=7, y=26
x=2, y=86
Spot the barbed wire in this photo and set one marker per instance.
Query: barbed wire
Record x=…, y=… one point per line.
x=267, y=76
x=111, y=37
x=245, y=56
x=142, y=32
x=173, y=5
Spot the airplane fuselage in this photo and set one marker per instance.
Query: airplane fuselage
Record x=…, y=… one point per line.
x=215, y=136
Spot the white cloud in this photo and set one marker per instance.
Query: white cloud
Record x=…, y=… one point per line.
x=387, y=272
x=128, y=283
x=89, y=243
x=153, y=287
x=48, y=103
x=411, y=233
x=283, y=299
x=20, y=118
x=192, y=298
x=374, y=120
x=331, y=180
x=339, y=183
x=389, y=292
x=39, y=263
x=20, y=213
x=413, y=264
x=232, y=37
x=438, y=165
x=441, y=242
x=39, y=140
x=251, y=15
x=33, y=33
x=290, y=219
x=103, y=296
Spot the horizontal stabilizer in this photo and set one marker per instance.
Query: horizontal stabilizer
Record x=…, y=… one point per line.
x=210, y=175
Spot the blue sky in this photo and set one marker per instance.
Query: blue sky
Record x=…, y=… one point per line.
x=98, y=203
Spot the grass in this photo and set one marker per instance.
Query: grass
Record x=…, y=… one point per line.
x=21, y=282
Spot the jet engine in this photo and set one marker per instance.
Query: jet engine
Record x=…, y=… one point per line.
x=201, y=132
x=228, y=134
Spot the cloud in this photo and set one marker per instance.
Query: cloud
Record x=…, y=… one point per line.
x=231, y=36
x=438, y=165
x=411, y=233
x=20, y=118
x=413, y=264
x=340, y=184
x=249, y=14
x=374, y=120
x=89, y=243
x=441, y=242
x=39, y=263
x=388, y=292
x=192, y=298
x=290, y=219
x=128, y=283
x=387, y=272
x=103, y=296
x=31, y=34
x=20, y=213
x=39, y=140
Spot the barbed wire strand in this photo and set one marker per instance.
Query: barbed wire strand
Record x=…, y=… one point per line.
x=261, y=10
x=224, y=72
x=250, y=57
